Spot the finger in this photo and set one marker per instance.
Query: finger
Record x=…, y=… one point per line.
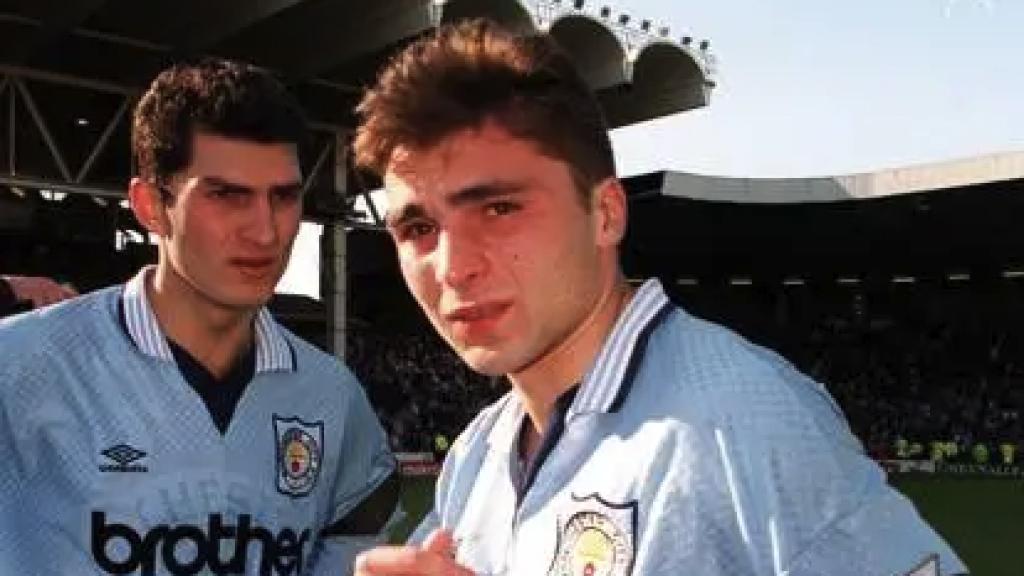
x=442, y=542
x=407, y=561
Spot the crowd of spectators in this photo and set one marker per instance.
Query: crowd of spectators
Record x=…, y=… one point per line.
x=417, y=384
x=922, y=363
x=918, y=362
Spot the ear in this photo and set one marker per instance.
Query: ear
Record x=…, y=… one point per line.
x=611, y=209
x=147, y=205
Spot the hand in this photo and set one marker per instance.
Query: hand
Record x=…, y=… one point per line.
x=39, y=291
x=434, y=558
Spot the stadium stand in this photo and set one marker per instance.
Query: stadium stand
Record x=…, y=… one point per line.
x=907, y=304
x=925, y=362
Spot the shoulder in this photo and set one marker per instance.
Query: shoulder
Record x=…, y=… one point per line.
x=467, y=453
x=320, y=369
x=471, y=443
x=716, y=364
x=44, y=351
x=738, y=387
x=496, y=423
x=61, y=329
x=483, y=424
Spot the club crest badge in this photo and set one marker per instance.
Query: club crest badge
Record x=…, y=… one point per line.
x=596, y=538
x=300, y=452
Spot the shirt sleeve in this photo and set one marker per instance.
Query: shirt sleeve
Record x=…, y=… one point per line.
x=814, y=501
x=368, y=489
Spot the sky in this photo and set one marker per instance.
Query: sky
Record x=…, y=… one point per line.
x=821, y=87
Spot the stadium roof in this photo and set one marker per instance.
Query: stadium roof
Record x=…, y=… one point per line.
x=954, y=217
x=330, y=49
x=958, y=218
x=910, y=179
x=69, y=69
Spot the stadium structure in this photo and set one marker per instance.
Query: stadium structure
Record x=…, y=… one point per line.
x=951, y=222
x=901, y=289
x=70, y=71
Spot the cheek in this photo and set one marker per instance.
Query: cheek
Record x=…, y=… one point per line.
x=420, y=280
x=290, y=220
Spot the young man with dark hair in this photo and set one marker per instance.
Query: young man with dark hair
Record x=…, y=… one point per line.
x=637, y=439
x=170, y=425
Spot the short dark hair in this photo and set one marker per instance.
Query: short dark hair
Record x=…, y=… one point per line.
x=472, y=72
x=226, y=98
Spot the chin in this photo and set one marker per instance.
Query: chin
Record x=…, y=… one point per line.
x=488, y=362
x=246, y=301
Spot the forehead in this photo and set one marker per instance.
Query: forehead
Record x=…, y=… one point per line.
x=243, y=162
x=464, y=160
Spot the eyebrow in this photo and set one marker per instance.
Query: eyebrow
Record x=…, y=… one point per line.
x=471, y=195
x=215, y=181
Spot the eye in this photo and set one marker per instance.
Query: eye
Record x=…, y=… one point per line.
x=227, y=192
x=501, y=208
x=288, y=195
x=415, y=230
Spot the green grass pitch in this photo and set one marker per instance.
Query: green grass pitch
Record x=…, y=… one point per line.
x=983, y=518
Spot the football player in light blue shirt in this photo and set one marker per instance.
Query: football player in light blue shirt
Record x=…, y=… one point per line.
x=170, y=425
x=636, y=439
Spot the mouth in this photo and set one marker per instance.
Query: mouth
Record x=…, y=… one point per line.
x=475, y=313
x=255, y=267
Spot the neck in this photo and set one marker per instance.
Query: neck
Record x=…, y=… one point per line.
x=540, y=384
x=213, y=334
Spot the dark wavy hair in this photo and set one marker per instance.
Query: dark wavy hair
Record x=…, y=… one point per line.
x=475, y=71
x=221, y=97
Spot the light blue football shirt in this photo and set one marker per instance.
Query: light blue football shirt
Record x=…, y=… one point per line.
x=687, y=450
x=113, y=464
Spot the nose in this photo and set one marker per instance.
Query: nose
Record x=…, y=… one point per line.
x=459, y=259
x=262, y=228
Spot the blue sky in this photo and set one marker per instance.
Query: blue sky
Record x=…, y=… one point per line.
x=823, y=87
x=815, y=87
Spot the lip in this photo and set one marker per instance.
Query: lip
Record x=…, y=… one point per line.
x=254, y=267
x=472, y=313
x=252, y=262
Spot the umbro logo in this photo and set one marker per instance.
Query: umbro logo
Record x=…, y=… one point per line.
x=123, y=458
